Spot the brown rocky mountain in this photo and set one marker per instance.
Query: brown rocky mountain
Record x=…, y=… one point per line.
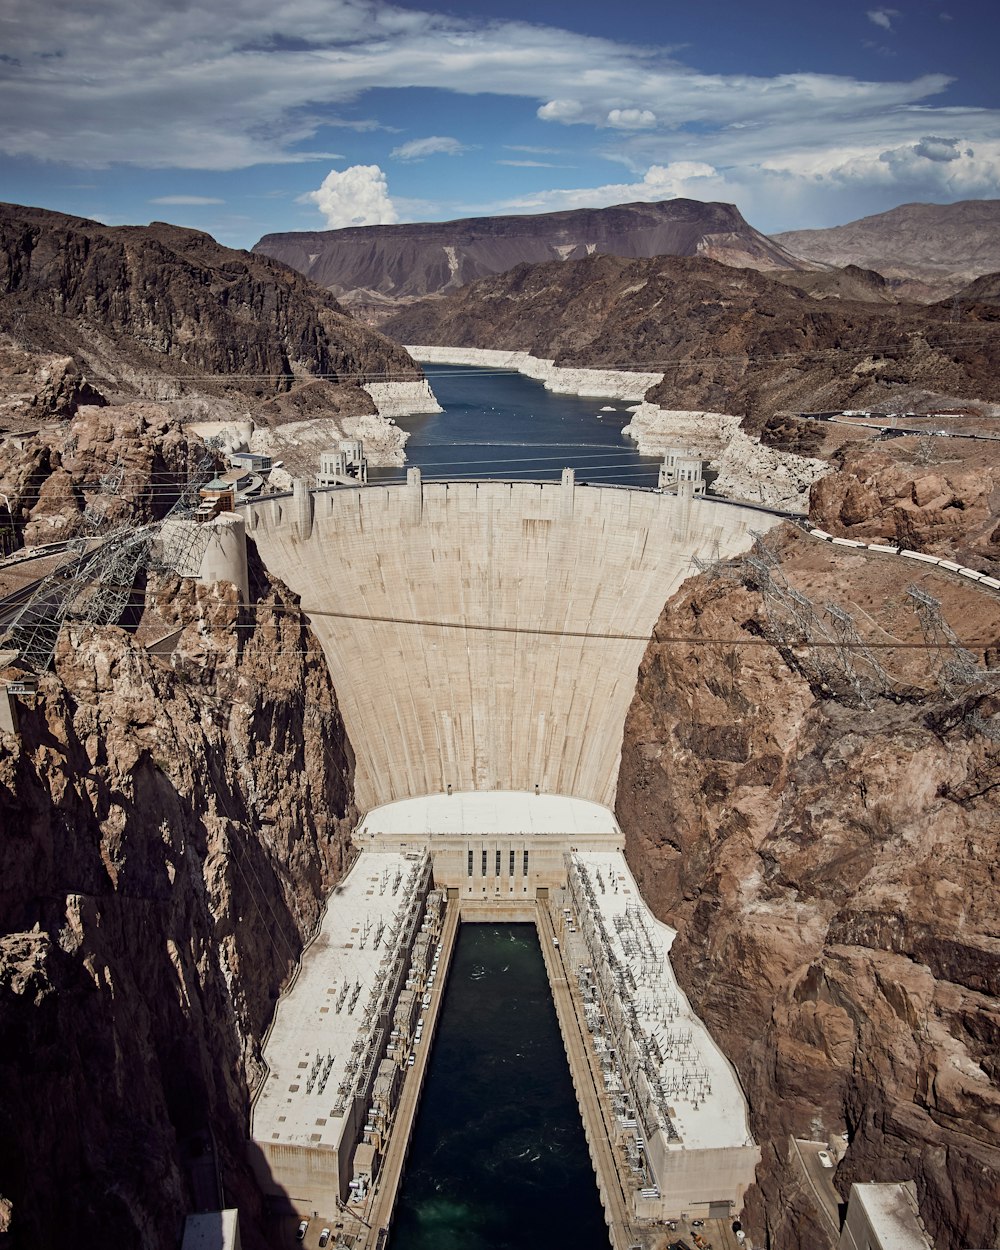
x=831, y=869
x=926, y=251
x=165, y=313
x=152, y=902
x=849, y=283
x=729, y=340
x=372, y=265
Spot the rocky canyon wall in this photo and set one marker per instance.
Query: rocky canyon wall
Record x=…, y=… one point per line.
x=171, y=828
x=831, y=869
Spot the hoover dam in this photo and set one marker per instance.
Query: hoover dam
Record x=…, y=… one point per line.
x=484, y=639
x=487, y=635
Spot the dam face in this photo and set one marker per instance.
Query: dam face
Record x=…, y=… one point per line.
x=487, y=635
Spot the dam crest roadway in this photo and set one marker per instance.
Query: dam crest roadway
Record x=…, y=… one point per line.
x=484, y=640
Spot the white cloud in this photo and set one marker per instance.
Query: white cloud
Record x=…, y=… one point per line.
x=882, y=17
x=561, y=111
x=185, y=199
x=214, y=86
x=529, y=164
x=935, y=148
x=356, y=196
x=631, y=119
x=660, y=182
x=433, y=145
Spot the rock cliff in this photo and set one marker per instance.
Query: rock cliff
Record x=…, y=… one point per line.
x=49, y=480
x=831, y=869
x=171, y=829
x=378, y=266
x=159, y=312
x=726, y=340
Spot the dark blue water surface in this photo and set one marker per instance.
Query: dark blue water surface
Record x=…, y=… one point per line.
x=499, y=424
x=498, y=1159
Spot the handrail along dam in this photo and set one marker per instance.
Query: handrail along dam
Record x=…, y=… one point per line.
x=484, y=640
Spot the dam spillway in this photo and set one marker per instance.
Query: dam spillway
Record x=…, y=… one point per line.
x=487, y=635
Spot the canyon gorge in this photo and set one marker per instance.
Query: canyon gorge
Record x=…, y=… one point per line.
x=178, y=799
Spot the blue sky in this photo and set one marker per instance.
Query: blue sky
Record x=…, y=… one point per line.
x=245, y=117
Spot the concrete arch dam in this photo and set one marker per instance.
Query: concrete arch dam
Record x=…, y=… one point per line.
x=487, y=635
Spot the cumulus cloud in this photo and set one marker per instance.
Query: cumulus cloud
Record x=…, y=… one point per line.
x=936, y=149
x=883, y=17
x=660, y=182
x=356, y=196
x=186, y=199
x=631, y=119
x=561, y=111
x=433, y=145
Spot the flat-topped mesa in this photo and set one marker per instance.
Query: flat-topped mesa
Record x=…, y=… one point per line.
x=487, y=635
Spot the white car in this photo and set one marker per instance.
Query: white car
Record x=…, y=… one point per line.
x=824, y=1159
x=300, y=1234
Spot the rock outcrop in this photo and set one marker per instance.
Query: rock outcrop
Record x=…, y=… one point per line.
x=726, y=340
x=939, y=495
x=831, y=869
x=49, y=480
x=163, y=313
x=375, y=267
x=171, y=830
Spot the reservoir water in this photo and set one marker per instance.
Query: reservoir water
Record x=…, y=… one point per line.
x=500, y=424
x=498, y=1159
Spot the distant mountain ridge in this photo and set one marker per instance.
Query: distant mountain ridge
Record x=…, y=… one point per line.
x=926, y=251
x=727, y=340
x=372, y=265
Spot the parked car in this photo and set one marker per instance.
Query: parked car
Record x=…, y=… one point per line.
x=300, y=1234
x=324, y=1237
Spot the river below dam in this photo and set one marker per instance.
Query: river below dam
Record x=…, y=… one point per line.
x=500, y=424
x=498, y=1158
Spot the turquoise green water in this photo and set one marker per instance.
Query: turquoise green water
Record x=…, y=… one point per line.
x=498, y=1159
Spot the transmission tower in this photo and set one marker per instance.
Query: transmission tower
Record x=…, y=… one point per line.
x=795, y=621
x=958, y=669
x=95, y=584
x=853, y=649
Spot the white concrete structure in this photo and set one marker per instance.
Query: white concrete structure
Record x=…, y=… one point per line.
x=494, y=846
x=225, y=557
x=346, y=466
x=487, y=635
x=331, y=1031
x=681, y=468
x=884, y=1217
x=678, y=1103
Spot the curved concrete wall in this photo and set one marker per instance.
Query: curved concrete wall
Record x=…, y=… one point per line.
x=487, y=635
